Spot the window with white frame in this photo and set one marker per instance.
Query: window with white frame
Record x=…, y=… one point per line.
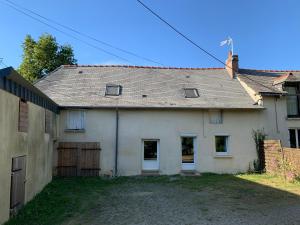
x=221, y=144
x=215, y=116
x=294, y=137
x=76, y=120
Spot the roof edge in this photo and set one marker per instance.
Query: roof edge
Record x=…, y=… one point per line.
x=145, y=67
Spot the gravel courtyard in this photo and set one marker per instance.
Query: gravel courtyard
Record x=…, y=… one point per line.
x=208, y=199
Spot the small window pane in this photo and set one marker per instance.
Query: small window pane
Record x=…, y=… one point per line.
x=292, y=101
x=150, y=150
x=292, y=133
x=75, y=120
x=215, y=117
x=187, y=144
x=191, y=93
x=221, y=144
x=113, y=90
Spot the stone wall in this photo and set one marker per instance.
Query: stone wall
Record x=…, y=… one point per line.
x=275, y=155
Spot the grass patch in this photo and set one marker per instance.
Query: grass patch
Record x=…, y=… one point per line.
x=61, y=199
x=64, y=199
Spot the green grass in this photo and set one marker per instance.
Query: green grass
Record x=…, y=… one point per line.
x=63, y=199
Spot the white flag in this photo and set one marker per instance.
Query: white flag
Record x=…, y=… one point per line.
x=228, y=41
x=223, y=42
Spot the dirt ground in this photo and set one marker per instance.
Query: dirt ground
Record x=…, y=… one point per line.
x=145, y=203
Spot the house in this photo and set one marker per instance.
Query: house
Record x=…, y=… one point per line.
x=168, y=120
x=145, y=120
x=27, y=135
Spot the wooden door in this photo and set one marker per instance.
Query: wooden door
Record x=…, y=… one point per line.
x=18, y=179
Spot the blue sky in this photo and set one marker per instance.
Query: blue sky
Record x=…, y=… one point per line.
x=266, y=33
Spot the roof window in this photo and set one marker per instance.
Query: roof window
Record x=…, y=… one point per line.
x=113, y=90
x=191, y=93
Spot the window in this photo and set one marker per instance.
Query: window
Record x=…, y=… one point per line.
x=76, y=120
x=294, y=138
x=191, y=93
x=47, y=121
x=112, y=90
x=293, y=99
x=23, y=116
x=215, y=117
x=221, y=144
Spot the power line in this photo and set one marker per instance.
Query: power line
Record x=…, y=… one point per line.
x=67, y=34
x=85, y=35
x=180, y=33
x=194, y=43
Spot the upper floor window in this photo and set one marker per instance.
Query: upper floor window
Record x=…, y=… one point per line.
x=215, y=116
x=293, y=99
x=23, y=116
x=76, y=120
x=48, y=120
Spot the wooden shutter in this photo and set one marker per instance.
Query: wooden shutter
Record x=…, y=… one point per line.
x=18, y=174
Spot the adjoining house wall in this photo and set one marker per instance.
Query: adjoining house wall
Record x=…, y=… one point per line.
x=274, y=118
x=35, y=144
x=168, y=126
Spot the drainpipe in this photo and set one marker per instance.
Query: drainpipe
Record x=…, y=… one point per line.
x=276, y=114
x=117, y=142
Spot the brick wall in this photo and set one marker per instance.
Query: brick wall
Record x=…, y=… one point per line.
x=275, y=154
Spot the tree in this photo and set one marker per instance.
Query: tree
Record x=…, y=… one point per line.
x=43, y=56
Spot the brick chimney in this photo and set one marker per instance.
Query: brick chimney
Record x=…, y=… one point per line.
x=232, y=65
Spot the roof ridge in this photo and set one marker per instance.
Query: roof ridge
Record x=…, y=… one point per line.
x=267, y=70
x=146, y=67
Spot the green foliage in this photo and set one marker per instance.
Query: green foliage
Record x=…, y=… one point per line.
x=259, y=136
x=43, y=56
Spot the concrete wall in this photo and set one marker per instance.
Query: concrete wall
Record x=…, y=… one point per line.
x=168, y=126
x=35, y=144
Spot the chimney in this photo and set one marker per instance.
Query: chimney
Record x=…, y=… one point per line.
x=232, y=65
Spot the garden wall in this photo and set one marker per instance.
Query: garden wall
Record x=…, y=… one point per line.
x=280, y=159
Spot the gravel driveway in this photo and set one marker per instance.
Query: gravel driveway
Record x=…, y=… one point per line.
x=159, y=203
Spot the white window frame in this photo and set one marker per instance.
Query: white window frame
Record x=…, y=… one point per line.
x=227, y=153
x=78, y=125
x=296, y=133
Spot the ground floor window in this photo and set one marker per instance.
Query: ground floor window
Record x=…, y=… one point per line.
x=221, y=144
x=294, y=137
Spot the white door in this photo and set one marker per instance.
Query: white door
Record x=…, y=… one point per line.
x=150, y=155
x=188, y=153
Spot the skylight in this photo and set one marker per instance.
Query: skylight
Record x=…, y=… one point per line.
x=113, y=90
x=191, y=93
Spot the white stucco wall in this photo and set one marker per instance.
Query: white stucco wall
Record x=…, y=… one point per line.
x=168, y=126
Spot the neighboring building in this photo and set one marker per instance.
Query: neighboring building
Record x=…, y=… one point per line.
x=27, y=133
x=167, y=120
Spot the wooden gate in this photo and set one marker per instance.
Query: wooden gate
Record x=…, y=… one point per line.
x=78, y=159
x=18, y=179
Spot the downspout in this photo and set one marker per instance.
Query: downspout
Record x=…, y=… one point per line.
x=117, y=142
x=276, y=115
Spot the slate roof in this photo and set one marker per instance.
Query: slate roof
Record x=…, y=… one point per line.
x=264, y=81
x=144, y=87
